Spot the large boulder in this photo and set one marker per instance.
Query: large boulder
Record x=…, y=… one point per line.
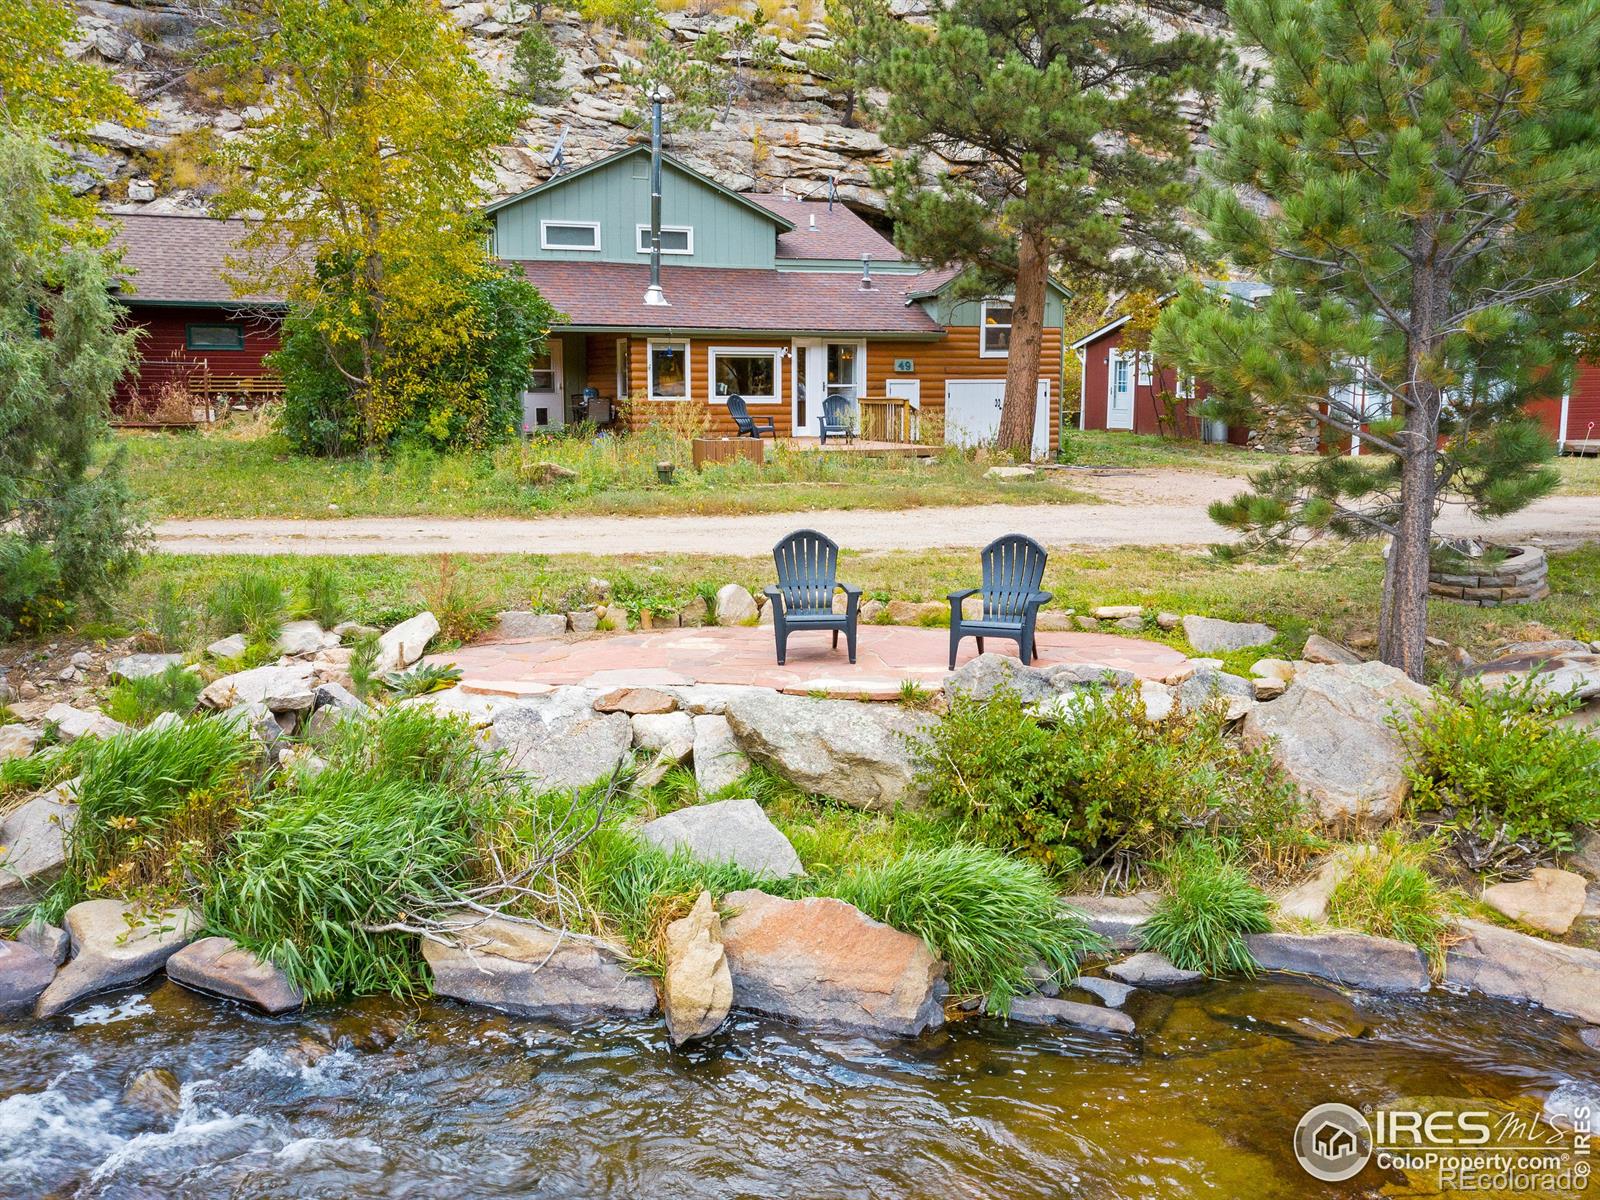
x=1549, y=900
x=115, y=944
x=820, y=961
x=1208, y=635
x=736, y=606
x=735, y=831
x=1351, y=959
x=697, y=988
x=141, y=666
x=220, y=967
x=1508, y=965
x=718, y=761
x=859, y=754
x=290, y=688
x=404, y=644
x=33, y=849
x=74, y=723
x=559, y=741
x=1330, y=733
x=1555, y=671
x=24, y=973
x=533, y=972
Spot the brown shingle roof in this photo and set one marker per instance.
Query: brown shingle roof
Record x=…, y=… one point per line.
x=839, y=234
x=611, y=296
x=180, y=260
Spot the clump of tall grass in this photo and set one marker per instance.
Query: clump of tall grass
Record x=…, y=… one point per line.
x=140, y=701
x=989, y=916
x=170, y=623
x=331, y=875
x=1388, y=891
x=153, y=807
x=364, y=664
x=321, y=595
x=251, y=603
x=1209, y=906
x=463, y=611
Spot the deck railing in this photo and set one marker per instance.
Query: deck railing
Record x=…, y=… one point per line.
x=885, y=419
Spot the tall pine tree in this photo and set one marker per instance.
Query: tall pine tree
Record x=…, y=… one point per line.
x=1433, y=173
x=1064, y=119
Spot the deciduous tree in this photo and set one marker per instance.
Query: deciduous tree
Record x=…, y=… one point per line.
x=1433, y=175
x=1070, y=150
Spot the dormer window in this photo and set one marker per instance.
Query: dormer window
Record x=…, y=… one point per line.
x=569, y=235
x=675, y=239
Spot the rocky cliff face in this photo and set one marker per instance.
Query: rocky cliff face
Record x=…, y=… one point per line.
x=781, y=127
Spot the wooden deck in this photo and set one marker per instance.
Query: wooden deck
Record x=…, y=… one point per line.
x=861, y=447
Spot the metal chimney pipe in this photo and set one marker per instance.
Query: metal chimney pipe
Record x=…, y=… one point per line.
x=653, y=295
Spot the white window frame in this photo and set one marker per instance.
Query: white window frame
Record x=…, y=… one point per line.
x=776, y=353
x=650, y=370
x=1146, y=374
x=983, y=326
x=544, y=235
x=642, y=238
x=624, y=348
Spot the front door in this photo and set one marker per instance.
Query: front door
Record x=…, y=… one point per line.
x=543, y=404
x=1119, y=397
x=810, y=375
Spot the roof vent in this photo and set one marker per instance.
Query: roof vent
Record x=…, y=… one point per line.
x=813, y=226
x=866, y=273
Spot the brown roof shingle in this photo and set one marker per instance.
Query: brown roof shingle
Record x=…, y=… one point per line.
x=611, y=296
x=180, y=260
x=838, y=234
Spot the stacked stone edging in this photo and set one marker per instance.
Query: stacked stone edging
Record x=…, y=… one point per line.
x=1521, y=579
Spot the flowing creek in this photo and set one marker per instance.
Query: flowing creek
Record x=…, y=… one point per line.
x=440, y=1101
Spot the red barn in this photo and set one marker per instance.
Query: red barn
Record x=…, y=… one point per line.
x=201, y=343
x=1573, y=420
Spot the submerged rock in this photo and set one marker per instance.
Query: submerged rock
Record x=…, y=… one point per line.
x=218, y=966
x=1330, y=733
x=535, y=973
x=1312, y=1013
x=114, y=945
x=1149, y=969
x=24, y=974
x=1374, y=964
x=1045, y=1010
x=697, y=989
x=735, y=831
x=859, y=754
x=156, y=1090
x=820, y=961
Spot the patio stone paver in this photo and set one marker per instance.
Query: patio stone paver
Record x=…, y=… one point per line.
x=886, y=655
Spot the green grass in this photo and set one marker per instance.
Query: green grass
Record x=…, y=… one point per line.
x=1389, y=892
x=140, y=701
x=1579, y=476
x=1209, y=906
x=211, y=475
x=1099, y=448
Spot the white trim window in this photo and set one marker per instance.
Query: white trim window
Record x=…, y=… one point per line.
x=569, y=235
x=668, y=361
x=675, y=239
x=754, y=372
x=1146, y=364
x=994, y=329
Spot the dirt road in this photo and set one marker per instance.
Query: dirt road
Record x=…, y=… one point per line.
x=1144, y=508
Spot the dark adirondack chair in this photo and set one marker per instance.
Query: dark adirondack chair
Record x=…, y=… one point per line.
x=747, y=425
x=838, y=418
x=807, y=562
x=1013, y=567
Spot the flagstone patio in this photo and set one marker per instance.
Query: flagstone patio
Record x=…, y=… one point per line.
x=886, y=656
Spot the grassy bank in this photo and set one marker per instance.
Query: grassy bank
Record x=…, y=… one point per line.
x=1333, y=592
x=216, y=475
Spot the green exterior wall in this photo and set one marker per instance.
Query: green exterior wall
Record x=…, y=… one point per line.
x=949, y=312
x=727, y=233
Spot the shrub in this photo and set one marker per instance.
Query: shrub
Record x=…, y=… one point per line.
x=152, y=808
x=1104, y=784
x=989, y=916
x=251, y=603
x=321, y=597
x=364, y=663
x=1498, y=776
x=321, y=414
x=171, y=617
x=1209, y=906
x=33, y=598
x=462, y=610
x=328, y=877
x=140, y=701
x=536, y=64
x=1388, y=892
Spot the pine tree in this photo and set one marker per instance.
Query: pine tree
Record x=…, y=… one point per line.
x=1064, y=119
x=1432, y=169
x=855, y=29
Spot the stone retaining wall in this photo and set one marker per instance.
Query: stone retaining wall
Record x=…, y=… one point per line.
x=1521, y=579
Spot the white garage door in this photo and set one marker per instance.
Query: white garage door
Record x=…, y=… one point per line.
x=972, y=413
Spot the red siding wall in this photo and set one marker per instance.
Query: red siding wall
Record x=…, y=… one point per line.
x=163, y=355
x=1148, y=413
x=1583, y=407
